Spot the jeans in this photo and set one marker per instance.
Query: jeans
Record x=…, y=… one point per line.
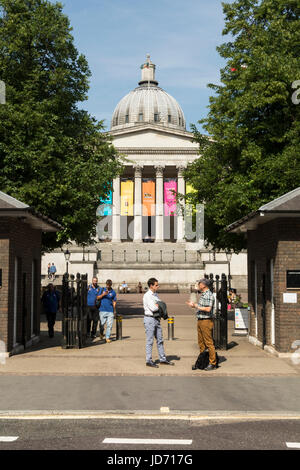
x=107, y=317
x=153, y=330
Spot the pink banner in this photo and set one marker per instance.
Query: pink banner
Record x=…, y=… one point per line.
x=170, y=197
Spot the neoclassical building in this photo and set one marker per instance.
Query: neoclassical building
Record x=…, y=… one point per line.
x=144, y=231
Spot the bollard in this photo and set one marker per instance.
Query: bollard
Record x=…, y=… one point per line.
x=119, y=327
x=171, y=328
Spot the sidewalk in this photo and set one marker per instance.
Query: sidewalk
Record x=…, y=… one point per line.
x=126, y=357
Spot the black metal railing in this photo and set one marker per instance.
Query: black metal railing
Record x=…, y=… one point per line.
x=74, y=311
x=219, y=288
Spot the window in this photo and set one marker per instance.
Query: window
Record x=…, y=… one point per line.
x=140, y=117
x=180, y=121
x=169, y=118
x=127, y=118
x=156, y=117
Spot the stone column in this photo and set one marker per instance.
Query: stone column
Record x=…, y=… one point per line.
x=116, y=209
x=159, y=204
x=180, y=213
x=138, y=203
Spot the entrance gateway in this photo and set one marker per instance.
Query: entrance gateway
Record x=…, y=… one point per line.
x=144, y=233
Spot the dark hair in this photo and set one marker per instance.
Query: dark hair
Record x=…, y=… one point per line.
x=109, y=282
x=152, y=281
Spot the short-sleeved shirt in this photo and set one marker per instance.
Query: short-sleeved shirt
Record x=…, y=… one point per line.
x=107, y=300
x=206, y=300
x=93, y=292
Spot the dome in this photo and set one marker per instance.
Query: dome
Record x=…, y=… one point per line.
x=148, y=103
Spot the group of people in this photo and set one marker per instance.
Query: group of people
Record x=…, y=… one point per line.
x=102, y=302
x=51, y=271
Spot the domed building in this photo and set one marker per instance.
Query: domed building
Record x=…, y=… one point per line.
x=144, y=231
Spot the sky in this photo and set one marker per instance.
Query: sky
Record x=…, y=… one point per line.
x=180, y=36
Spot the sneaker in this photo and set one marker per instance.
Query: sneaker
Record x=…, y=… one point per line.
x=151, y=364
x=101, y=335
x=210, y=367
x=167, y=363
x=108, y=340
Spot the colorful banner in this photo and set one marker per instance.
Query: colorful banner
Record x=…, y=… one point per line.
x=148, y=197
x=170, y=186
x=106, y=205
x=127, y=197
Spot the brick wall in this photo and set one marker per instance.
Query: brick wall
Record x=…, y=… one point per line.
x=278, y=240
x=19, y=241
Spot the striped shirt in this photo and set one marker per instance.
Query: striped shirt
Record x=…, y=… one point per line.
x=206, y=300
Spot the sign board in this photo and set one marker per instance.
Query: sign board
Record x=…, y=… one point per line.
x=241, y=319
x=289, y=298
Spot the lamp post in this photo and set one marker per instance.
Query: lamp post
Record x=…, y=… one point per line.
x=67, y=257
x=229, y=256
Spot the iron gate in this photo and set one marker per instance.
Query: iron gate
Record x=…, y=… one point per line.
x=74, y=311
x=219, y=288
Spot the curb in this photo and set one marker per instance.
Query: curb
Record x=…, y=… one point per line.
x=164, y=414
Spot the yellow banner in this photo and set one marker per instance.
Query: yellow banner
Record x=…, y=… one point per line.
x=127, y=197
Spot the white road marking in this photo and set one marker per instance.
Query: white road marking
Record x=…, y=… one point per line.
x=293, y=445
x=8, y=438
x=113, y=440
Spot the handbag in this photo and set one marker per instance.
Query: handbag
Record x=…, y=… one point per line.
x=98, y=301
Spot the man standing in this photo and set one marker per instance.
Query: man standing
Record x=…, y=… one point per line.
x=152, y=325
x=93, y=312
x=205, y=315
x=107, y=308
x=50, y=301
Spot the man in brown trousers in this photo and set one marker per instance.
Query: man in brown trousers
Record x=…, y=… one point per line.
x=205, y=322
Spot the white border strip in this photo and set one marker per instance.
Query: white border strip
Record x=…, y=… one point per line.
x=113, y=440
x=293, y=445
x=8, y=438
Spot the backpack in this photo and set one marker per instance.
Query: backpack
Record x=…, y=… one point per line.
x=98, y=301
x=203, y=360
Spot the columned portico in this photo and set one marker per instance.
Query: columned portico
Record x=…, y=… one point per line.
x=116, y=208
x=159, y=214
x=138, y=203
x=180, y=213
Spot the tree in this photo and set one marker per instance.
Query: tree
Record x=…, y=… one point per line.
x=53, y=155
x=252, y=154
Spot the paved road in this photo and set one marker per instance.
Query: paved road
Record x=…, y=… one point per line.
x=195, y=394
x=90, y=434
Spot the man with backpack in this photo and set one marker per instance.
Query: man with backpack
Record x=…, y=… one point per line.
x=205, y=324
x=93, y=295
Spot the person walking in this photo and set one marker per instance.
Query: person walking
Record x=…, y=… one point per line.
x=205, y=324
x=52, y=271
x=94, y=292
x=50, y=301
x=107, y=309
x=152, y=325
x=49, y=274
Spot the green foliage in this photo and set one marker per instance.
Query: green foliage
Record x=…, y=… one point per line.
x=253, y=153
x=53, y=156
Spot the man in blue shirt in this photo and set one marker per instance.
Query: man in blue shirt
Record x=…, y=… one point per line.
x=93, y=314
x=50, y=301
x=108, y=308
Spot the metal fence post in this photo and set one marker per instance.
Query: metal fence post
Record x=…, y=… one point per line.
x=170, y=328
x=119, y=326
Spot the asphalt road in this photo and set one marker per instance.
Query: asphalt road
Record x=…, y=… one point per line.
x=196, y=394
x=204, y=435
